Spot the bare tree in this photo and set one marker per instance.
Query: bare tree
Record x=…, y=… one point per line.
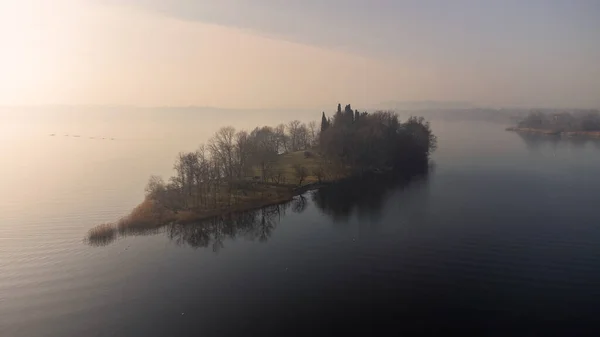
x=303, y=137
x=185, y=168
x=293, y=129
x=215, y=179
x=281, y=138
x=313, y=133
x=264, y=149
x=301, y=173
x=222, y=147
x=319, y=172
x=243, y=153
x=278, y=175
x=166, y=196
x=202, y=177
x=155, y=187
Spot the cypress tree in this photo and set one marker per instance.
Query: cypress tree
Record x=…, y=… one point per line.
x=348, y=109
x=348, y=115
x=324, y=122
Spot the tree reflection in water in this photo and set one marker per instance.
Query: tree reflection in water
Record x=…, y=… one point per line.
x=536, y=142
x=365, y=196
x=252, y=225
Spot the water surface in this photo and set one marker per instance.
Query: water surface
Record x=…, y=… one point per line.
x=499, y=237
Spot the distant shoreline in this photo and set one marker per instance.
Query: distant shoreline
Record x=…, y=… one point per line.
x=592, y=134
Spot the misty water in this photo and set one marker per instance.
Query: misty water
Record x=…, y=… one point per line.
x=500, y=236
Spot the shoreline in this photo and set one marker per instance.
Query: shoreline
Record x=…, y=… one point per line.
x=149, y=216
x=285, y=194
x=591, y=134
x=266, y=202
x=252, y=206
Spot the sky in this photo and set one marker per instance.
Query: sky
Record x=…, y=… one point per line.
x=299, y=54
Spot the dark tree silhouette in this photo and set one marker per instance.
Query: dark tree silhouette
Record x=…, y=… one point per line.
x=348, y=114
x=324, y=122
x=365, y=195
x=379, y=141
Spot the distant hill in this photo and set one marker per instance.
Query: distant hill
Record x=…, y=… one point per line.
x=423, y=105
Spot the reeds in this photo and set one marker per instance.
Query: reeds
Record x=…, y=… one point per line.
x=102, y=235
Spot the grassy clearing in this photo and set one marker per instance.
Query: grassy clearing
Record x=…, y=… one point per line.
x=286, y=162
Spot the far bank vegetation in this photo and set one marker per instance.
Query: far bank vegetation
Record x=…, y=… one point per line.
x=577, y=122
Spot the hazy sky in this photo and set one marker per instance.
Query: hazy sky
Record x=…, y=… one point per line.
x=309, y=53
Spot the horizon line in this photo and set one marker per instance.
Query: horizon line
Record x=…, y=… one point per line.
x=468, y=106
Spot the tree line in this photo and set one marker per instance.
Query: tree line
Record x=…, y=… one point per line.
x=218, y=171
x=237, y=166
x=363, y=141
x=580, y=120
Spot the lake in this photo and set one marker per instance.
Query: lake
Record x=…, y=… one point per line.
x=499, y=237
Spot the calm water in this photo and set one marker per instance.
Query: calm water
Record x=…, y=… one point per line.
x=500, y=237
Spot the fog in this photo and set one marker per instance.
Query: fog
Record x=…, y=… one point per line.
x=182, y=53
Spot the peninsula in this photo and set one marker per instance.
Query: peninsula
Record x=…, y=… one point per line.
x=244, y=170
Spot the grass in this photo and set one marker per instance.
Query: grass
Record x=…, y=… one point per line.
x=146, y=215
x=286, y=162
